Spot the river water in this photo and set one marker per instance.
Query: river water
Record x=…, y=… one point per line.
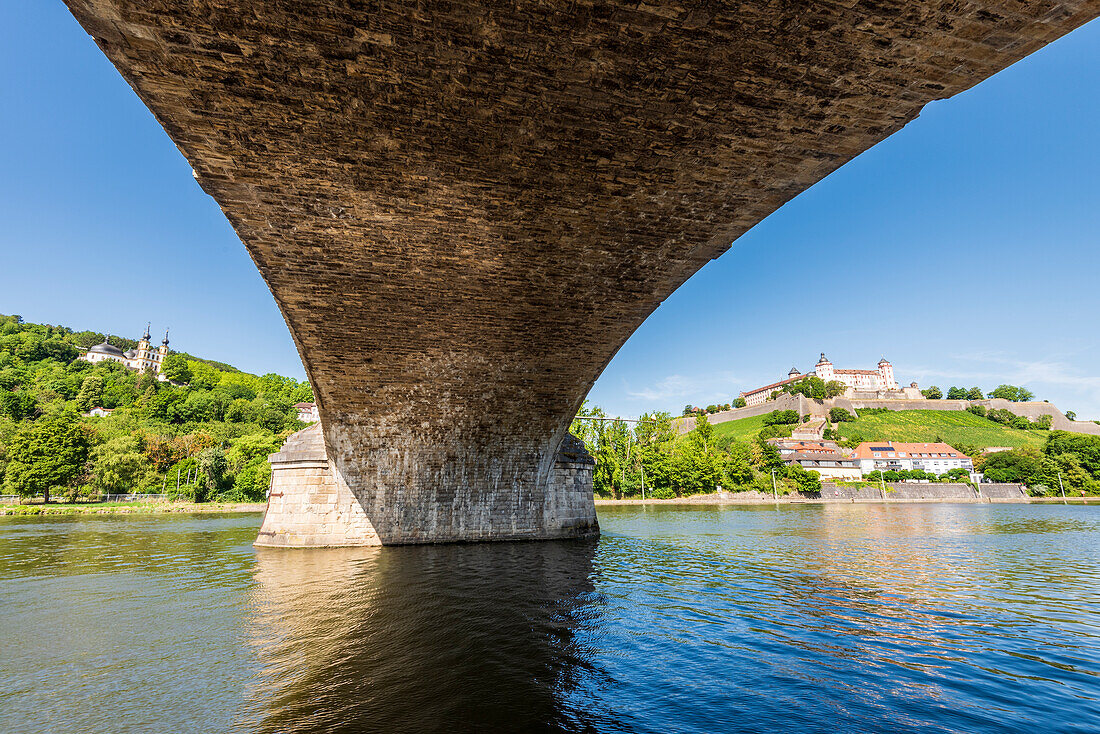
x=906, y=618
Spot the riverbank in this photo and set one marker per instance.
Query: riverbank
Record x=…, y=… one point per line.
x=758, y=498
x=132, y=508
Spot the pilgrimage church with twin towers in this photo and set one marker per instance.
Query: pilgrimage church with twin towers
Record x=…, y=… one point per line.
x=143, y=358
x=878, y=381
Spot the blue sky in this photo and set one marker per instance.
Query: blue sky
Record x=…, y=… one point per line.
x=965, y=248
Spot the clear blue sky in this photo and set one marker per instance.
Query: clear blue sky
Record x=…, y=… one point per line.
x=965, y=248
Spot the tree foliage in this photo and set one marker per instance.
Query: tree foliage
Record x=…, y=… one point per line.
x=840, y=415
x=1013, y=393
x=154, y=427
x=47, y=454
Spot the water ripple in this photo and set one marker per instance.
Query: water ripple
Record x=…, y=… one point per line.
x=920, y=618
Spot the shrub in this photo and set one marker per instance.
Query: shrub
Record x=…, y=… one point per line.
x=839, y=415
x=774, y=431
x=777, y=417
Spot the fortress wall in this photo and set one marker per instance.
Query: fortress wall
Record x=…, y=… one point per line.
x=1034, y=409
x=923, y=404
x=783, y=402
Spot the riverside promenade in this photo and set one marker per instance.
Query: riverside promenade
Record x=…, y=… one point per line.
x=895, y=493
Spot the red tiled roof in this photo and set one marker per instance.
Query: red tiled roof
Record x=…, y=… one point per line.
x=773, y=385
x=911, y=450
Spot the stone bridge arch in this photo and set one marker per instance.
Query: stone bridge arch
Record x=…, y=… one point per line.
x=464, y=209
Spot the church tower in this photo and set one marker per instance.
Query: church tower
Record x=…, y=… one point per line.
x=162, y=352
x=144, y=356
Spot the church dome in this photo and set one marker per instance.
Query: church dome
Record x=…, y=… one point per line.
x=106, y=348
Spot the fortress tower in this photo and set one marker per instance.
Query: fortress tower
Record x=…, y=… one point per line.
x=824, y=368
x=887, y=371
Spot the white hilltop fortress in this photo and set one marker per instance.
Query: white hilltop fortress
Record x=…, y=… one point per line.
x=870, y=383
x=143, y=358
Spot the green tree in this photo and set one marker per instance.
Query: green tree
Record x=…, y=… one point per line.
x=975, y=393
x=778, y=430
x=212, y=473
x=50, y=452
x=119, y=465
x=1012, y=392
x=932, y=393
x=175, y=368
x=1071, y=415
x=18, y=404
x=806, y=481
x=834, y=388
x=777, y=417
x=839, y=415
x=956, y=393
x=739, y=465
x=739, y=402
x=1025, y=464
x=91, y=392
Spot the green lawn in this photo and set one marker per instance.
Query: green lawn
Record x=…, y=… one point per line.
x=951, y=426
x=923, y=426
x=739, y=430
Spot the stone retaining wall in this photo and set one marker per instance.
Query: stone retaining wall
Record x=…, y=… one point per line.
x=916, y=492
x=785, y=401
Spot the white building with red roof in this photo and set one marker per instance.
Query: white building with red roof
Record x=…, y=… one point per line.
x=936, y=458
x=307, y=412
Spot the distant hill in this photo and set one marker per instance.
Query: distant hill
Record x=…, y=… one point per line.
x=926, y=426
x=953, y=427
x=204, y=435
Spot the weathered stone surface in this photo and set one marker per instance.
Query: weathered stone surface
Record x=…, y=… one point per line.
x=464, y=208
x=310, y=505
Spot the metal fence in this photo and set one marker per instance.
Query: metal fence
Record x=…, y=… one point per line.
x=13, y=498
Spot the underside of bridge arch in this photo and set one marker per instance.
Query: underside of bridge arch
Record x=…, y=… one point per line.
x=464, y=208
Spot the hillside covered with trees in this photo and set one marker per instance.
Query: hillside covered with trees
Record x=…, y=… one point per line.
x=735, y=455
x=212, y=427
x=651, y=454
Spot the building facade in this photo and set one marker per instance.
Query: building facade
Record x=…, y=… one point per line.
x=877, y=380
x=307, y=412
x=823, y=457
x=143, y=358
x=936, y=458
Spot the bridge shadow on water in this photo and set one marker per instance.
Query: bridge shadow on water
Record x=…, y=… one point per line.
x=422, y=638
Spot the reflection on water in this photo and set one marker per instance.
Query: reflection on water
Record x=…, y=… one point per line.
x=912, y=618
x=428, y=638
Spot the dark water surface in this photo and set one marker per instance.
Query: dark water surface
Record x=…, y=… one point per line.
x=966, y=618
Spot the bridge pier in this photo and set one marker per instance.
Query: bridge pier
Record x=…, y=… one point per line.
x=311, y=505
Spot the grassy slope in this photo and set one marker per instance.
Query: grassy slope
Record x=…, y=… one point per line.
x=952, y=426
x=740, y=430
